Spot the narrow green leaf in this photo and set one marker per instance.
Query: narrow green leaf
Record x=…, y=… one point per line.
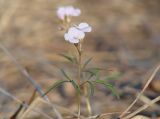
x=55, y=85
x=86, y=63
x=69, y=58
x=103, y=82
x=107, y=85
x=91, y=88
x=114, y=92
x=76, y=87
x=65, y=75
x=93, y=72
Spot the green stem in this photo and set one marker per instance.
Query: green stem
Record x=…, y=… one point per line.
x=79, y=65
x=79, y=50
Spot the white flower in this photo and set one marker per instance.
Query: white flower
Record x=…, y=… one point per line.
x=74, y=35
x=77, y=33
x=68, y=11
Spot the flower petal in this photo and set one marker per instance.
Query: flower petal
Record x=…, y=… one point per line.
x=61, y=13
x=76, y=12
x=76, y=33
x=80, y=35
x=71, y=38
x=84, y=27
x=66, y=37
x=67, y=11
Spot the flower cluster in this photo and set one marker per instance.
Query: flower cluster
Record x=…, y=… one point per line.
x=67, y=11
x=76, y=33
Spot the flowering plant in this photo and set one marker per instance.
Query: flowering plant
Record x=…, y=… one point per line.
x=84, y=86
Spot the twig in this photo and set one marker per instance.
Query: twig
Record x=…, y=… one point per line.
x=145, y=87
x=14, y=116
x=142, y=108
x=32, y=97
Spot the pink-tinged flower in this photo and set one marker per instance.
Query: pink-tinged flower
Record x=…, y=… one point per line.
x=67, y=11
x=77, y=33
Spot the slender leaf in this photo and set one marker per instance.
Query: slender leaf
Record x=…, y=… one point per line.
x=65, y=75
x=69, y=58
x=55, y=85
x=86, y=63
x=107, y=85
x=76, y=87
x=93, y=72
x=103, y=82
x=114, y=92
x=91, y=88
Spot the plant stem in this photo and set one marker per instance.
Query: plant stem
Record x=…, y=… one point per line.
x=79, y=63
x=79, y=77
x=79, y=50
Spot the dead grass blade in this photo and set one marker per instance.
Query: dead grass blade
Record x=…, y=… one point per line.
x=139, y=95
x=142, y=108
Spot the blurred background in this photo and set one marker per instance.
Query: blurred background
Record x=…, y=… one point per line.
x=125, y=38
